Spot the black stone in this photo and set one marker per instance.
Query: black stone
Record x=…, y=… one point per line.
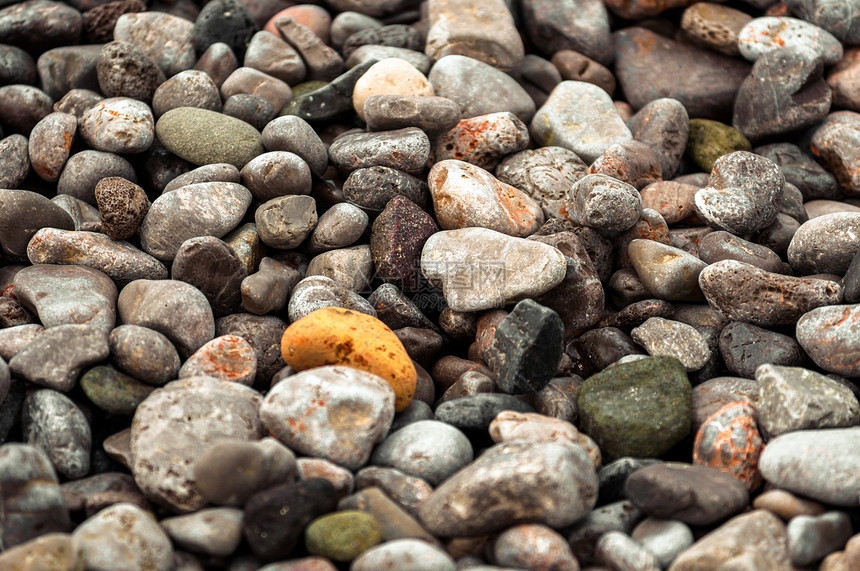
x=476, y=412
x=224, y=21
x=744, y=347
x=212, y=266
x=330, y=101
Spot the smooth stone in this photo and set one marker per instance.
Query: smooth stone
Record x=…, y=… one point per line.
x=275, y=519
x=427, y=449
x=323, y=63
x=825, y=244
x=619, y=550
x=602, y=202
x=59, y=548
x=211, y=265
x=664, y=539
x=118, y=125
x=754, y=540
x=742, y=292
x=228, y=358
x=326, y=101
x=332, y=392
x=402, y=149
x=548, y=482
x=341, y=478
x=83, y=214
x=811, y=538
x=212, y=531
x=350, y=267
x=23, y=106
x=545, y=174
x=295, y=135
x=189, y=88
x=343, y=535
x=396, y=239
x=408, y=492
x=127, y=533
x=709, y=140
x=49, y=144
x=67, y=295
x=819, y=464
x=696, y=495
x=284, y=222
x=57, y=356
x=405, y=554
x=268, y=289
x=555, y=26
x=800, y=169
x=206, y=137
x=649, y=67
x=483, y=140
x=467, y=81
x=829, y=337
x=533, y=546
x=226, y=21
x=114, y=391
x=246, y=81
x=639, y=409
x=714, y=26
x=763, y=36
x=833, y=143
x=15, y=160
x=175, y=425
x=218, y=172
x=144, y=353
x=52, y=422
x=476, y=255
x=397, y=311
x=264, y=333
x=228, y=472
x=580, y=117
x=85, y=169
x=22, y=214
x=667, y=338
x=203, y=209
x=631, y=162
x=174, y=308
x=390, y=76
x=317, y=292
x=510, y=425
x=371, y=188
x=465, y=196
x=722, y=245
x=164, y=38
x=432, y=114
x=476, y=412
x=665, y=271
x=268, y=53
x=787, y=505
x=583, y=536
x=252, y=109
x=744, y=347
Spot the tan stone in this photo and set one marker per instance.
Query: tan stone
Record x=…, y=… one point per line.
x=391, y=76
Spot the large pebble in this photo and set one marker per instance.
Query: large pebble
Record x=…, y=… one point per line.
x=483, y=140
x=479, y=268
x=206, y=137
x=829, y=335
x=203, y=209
x=669, y=338
x=580, y=117
x=465, y=195
x=744, y=347
x=406, y=554
x=602, y=202
x=427, y=449
x=118, y=125
x=317, y=292
x=475, y=412
x=825, y=244
x=49, y=145
x=213, y=267
x=665, y=271
x=402, y=149
x=762, y=36
x=173, y=427
x=512, y=483
x=22, y=214
x=85, y=169
x=334, y=336
x=51, y=421
x=144, y=353
x=343, y=536
x=212, y=531
x=729, y=440
x=639, y=409
x=190, y=88
x=56, y=358
x=545, y=174
x=124, y=533
x=228, y=358
x=391, y=76
x=164, y=38
x=174, y=308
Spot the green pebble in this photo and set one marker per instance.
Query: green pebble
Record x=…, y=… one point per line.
x=343, y=536
x=114, y=391
x=206, y=137
x=640, y=409
x=298, y=90
x=709, y=140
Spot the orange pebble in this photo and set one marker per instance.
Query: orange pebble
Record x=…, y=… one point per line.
x=337, y=336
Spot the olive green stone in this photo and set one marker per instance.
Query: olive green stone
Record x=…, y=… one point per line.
x=343, y=535
x=709, y=140
x=114, y=391
x=206, y=137
x=298, y=90
x=640, y=409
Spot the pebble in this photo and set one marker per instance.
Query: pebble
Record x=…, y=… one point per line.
x=742, y=292
x=405, y=554
x=465, y=196
x=268, y=53
x=189, y=88
x=827, y=334
x=22, y=214
x=52, y=422
x=342, y=536
x=476, y=412
x=118, y=125
x=427, y=449
x=59, y=548
x=372, y=187
x=225, y=21
x=664, y=539
x=249, y=81
x=483, y=31
x=327, y=101
x=61, y=295
x=402, y=149
x=477, y=255
x=722, y=245
x=350, y=267
x=824, y=244
x=620, y=551
x=124, y=70
x=649, y=67
x=85, y=169
x=580, y=117
x=409, y=492
x=122, y=206
x=709, y=140
x=510, y=473
x=219, y=172
x=204, y=137
x=177, y=216
x=756, y=540
x=114, y=391
x=230, y=471
x=164, y=38
x=317, y=292
x=768, y=35
x=787, y=505
x=275, y=519
x=397, y=237
x=295, y=135
x=666, y=272
x=665, y=337
x=323, y=63
x=432, y=114
x=638, y=409
x=467, y=81
x=49, y=144
x=603, y=202
x=228, y=358
x=832, y=143
x=195, y=412
x=811, y=538
x=212, y=266
x=176, y=309
x=800, y=169
x=484, y=140
x=744, y=347
x=144, y=353
x=127, y=533
x=729, y=440
x=212, y=531
x=714, y=26
x=268, y=289
x=218, y=62
x=391, y=76
x=16, y=162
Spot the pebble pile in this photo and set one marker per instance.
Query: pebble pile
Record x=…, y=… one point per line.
x=553, y=285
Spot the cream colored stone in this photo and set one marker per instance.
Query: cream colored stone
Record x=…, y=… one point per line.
x=389, y=76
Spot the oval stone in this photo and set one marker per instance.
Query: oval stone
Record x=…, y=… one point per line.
x=206, y=137
x=825, y=244
x=118, y=125
x=831, y=337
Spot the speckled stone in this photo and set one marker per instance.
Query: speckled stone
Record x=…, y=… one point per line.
x=763, y=36
x=23, y=106
x=118, y=125
x=714, y=26
x=665, y=337
x=228, y=358
x=709, y=140
x=164, y=38
x=483, y=140
x=412, y=554
x=15, y=163
x=144, y=353
x=122, y=206
x=829, y=337
x=666, y=272
x=206, y=137
x=316, y=292
x=744, y=347
x=729, y=441
x=51, y=421
x=113, y=391
x=284, y=222
x=124, y=532
x=603, y=202
x=49, y=144
x=427, y=449
x=85, y=169
x=189, y=88
x=342, y=536
x=22, y=214
x=207, y=410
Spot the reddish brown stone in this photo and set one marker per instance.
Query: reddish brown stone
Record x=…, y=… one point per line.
x=729, y=441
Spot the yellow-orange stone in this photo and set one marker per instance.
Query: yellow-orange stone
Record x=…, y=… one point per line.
x=337, y=336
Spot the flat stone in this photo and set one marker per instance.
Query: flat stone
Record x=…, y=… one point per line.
x=656, y=388
x=824, y=244
x=833, y=144
x=284, y=222
x=207, y=410
x=402, y=149
x=49, y=144
x=332, y=392
x=665, y=271
x=829, y=337
x=293, y=134
x=342, y=536
x=580, y=117
x=483, y=140
x=800, y=169
x=487, y=254
x=550, y=483
x=371, y=188
x=432, y=114
x=555, y=26
x=174, y=308
x=113, y=391
x=744, y=347
x=810, y=538
x=212, y=531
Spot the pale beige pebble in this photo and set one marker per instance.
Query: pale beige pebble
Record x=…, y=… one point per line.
x=314, y=17
x=714, y=26
x=124, y=536
x=49, y=552
x=341, y=478
x=816, y=208
x=511, y=425
x=852, y=552
x=391, y=76
x=787, y=505
x=844, y=80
